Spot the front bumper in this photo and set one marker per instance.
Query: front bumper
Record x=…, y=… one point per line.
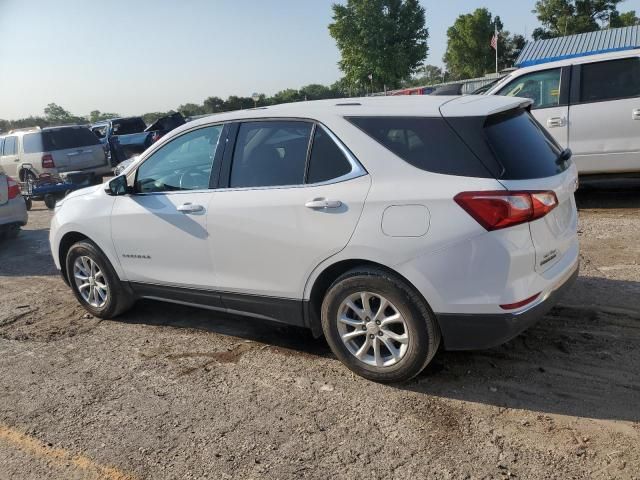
x=462, y=331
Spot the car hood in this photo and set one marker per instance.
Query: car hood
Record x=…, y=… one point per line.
x=84, y=191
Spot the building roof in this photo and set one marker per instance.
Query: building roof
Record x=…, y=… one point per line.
x=582, y=44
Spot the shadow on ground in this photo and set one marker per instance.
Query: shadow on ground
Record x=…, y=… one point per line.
x=578, y=360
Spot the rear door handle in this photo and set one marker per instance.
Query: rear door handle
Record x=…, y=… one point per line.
x=635, y=114
x=555, y=122
x=190, y=208
x=323, y=203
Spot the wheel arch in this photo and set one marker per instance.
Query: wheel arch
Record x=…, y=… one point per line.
x=66, y=242
x=322, y=281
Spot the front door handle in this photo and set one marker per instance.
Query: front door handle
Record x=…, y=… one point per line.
x=190, y=208
x=635, y=114
x=556, y=122
x=323, y=203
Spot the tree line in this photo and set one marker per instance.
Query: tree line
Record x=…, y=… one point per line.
x=383, y=44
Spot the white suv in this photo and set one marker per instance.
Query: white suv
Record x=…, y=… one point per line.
x=590, y=104
x=386, y=224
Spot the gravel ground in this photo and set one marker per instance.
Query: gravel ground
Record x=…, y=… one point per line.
x=173, y=392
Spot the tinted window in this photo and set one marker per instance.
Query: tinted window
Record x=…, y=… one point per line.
x=1, y=144
x=610, y=80
x=270, y=154
x=523, y=147
x=327, y=161
x=541, y=87
x=65, y=138
x=182, y=164
x=9, y=146
x=32, y=143
x=128, y=126
x=426, y=143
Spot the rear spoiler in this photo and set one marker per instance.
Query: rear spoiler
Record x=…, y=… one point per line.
x=482, y=105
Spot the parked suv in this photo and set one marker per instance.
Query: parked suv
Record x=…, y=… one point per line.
x=388, y=224
x=590, y=104
x=31, y=152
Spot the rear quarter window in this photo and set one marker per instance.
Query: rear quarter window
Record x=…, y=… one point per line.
x=32, y=143
x=427, y=143
x=513, y=143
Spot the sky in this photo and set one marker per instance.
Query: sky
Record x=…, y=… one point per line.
x=136, y=56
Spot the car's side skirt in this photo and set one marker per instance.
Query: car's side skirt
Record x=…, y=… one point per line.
x=281, y=310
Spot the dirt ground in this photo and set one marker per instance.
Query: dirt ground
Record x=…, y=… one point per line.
x=174, y=392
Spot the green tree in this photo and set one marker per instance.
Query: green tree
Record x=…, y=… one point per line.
x=56, y=114
x=191, y=109
x=97, y=115
x=386, y=39
x=469, y=53
x=428, y=75
x=213, y=105
x=567, y=17
x=626, y=19
x=287, y=96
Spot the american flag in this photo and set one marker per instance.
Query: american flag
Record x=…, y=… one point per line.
x=494, y=41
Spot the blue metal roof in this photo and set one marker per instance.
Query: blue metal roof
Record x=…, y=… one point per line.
x=582, y=44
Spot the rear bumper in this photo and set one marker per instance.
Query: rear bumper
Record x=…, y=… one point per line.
x=13, y=213
x=462, y=331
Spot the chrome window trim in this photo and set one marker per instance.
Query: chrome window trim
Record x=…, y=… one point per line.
x=357, y=170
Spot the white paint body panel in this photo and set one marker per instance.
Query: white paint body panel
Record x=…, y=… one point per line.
x=265, y=241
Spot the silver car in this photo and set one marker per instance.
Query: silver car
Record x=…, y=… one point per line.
x=30, y=152
x=13, y=211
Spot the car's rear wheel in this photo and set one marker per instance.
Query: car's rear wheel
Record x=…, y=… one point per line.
x=94, y=282
x=379, y=326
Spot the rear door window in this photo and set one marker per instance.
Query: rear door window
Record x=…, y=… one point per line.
x=270, y=153
x=427, y=143
x=541, y=87
x=610, y=80
x=66, y=138
x=327, y=160
x=10, y=145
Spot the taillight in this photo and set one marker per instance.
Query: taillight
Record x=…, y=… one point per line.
x=501, y=209
x=521, y=303
x=14, y=188
x=47, y=161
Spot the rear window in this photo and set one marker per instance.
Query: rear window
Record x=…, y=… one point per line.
x=426, y=143
x=128, y=126
x=51, y=140
x=523, y=148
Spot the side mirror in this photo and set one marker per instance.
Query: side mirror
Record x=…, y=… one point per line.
x=117, y=186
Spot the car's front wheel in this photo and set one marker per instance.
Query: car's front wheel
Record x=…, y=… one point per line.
x=378, y=326
x=94, y=282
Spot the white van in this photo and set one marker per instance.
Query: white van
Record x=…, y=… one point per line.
x=31, y=152
x=590, y=104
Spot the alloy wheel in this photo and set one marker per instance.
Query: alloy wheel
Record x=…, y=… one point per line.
x=373, y=329
x=90, y=281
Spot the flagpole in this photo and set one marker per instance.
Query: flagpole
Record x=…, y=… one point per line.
x=495, y=26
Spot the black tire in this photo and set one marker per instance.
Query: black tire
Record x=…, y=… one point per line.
x=12, y=232
x=421, y=326
x=50, y=201
x=119, y=298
